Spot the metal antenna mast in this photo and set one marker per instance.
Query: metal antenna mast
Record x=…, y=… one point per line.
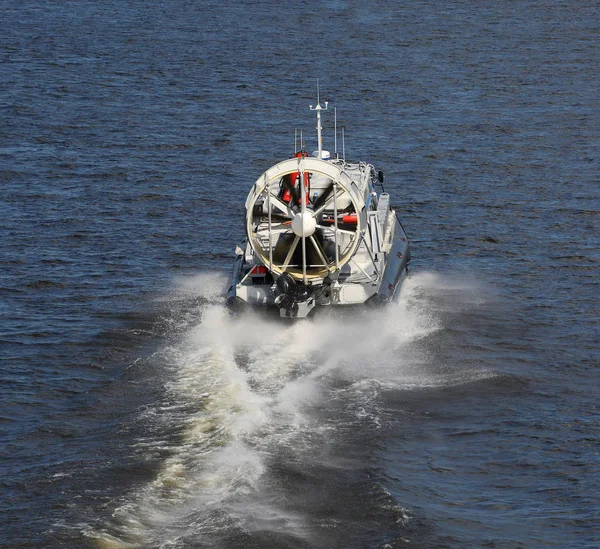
x=335, y=130
x=318, y=108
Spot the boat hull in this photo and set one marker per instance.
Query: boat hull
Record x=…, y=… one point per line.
x=267, y=292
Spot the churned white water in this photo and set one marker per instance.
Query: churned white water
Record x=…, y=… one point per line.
x=242, y=389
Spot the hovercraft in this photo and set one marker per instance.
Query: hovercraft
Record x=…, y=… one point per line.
x=318, y=234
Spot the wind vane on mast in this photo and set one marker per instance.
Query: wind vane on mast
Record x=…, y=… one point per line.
x=318, y=108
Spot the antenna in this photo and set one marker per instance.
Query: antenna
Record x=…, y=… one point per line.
x=318, y=108
x=343, y=144
x=335, y=130
x=295, y=140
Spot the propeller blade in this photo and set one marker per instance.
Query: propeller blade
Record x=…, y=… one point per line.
x=343, y=231
x=319, y=249
x=291, y=252
x=278, y=218
x=323, y=197
x=327, y=201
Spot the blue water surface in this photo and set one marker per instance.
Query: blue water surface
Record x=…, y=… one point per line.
x=134, y=413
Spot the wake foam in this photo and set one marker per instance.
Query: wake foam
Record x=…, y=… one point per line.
x=242, y=390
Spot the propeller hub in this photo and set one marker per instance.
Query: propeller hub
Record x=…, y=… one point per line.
x=304, y=224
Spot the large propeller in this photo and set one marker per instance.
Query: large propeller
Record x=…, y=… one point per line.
x=290, y=233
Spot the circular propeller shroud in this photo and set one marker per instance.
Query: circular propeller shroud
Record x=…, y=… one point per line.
x=296, y=225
